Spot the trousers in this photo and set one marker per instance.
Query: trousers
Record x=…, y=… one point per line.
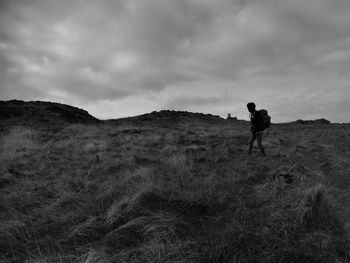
x=258, y=136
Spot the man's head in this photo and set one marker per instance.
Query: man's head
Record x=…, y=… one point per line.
x=251, y=107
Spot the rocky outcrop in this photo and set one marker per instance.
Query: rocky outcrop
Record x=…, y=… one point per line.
x=317, y=121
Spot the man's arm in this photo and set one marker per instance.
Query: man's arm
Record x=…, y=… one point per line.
x=254, y=123
x=257, y=122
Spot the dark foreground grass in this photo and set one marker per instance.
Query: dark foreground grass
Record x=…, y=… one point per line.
x=151, y=194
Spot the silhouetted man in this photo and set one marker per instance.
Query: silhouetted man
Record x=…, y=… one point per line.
x=257, y=128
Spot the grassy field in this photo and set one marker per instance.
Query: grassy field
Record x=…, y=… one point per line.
x=181, y=192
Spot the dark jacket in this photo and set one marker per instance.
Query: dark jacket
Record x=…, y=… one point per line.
x=256, y=122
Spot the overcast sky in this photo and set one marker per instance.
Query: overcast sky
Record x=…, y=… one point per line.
x=117, y=58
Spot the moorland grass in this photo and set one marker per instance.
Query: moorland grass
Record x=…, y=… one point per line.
x=107, y=193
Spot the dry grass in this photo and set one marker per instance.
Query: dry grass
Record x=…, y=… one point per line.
x=17, y=142
x=150, y=194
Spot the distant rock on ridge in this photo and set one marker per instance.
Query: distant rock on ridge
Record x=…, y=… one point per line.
x=317, y=121
x=229, y=117
x=39, y=112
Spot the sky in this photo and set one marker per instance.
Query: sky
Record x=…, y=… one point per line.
x=119, y=58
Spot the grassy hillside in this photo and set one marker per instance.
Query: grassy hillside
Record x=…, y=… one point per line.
x=41, y=114
x=173, y=189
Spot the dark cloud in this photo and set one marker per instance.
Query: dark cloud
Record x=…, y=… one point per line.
x=289, y=56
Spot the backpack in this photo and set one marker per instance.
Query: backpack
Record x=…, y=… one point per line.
x=266, y=118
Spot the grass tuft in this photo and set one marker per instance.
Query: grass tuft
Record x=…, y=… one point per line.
x=17, y=142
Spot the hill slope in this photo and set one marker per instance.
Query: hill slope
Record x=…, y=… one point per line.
x=135, y=191
x=170, y=118
x=42, y=113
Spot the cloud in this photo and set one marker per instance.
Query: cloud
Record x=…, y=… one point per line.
x=184, y=102
x=177, y=54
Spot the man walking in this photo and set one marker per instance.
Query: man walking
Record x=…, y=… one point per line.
x=257, y=128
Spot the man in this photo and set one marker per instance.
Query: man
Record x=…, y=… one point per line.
x=257, y=128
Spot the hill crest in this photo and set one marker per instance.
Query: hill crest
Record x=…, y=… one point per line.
x=42, y=112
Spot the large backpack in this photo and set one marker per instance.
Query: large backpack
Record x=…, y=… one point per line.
x=266, y=118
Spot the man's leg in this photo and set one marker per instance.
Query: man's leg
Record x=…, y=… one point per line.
x=259, y=137
x=251, y=142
